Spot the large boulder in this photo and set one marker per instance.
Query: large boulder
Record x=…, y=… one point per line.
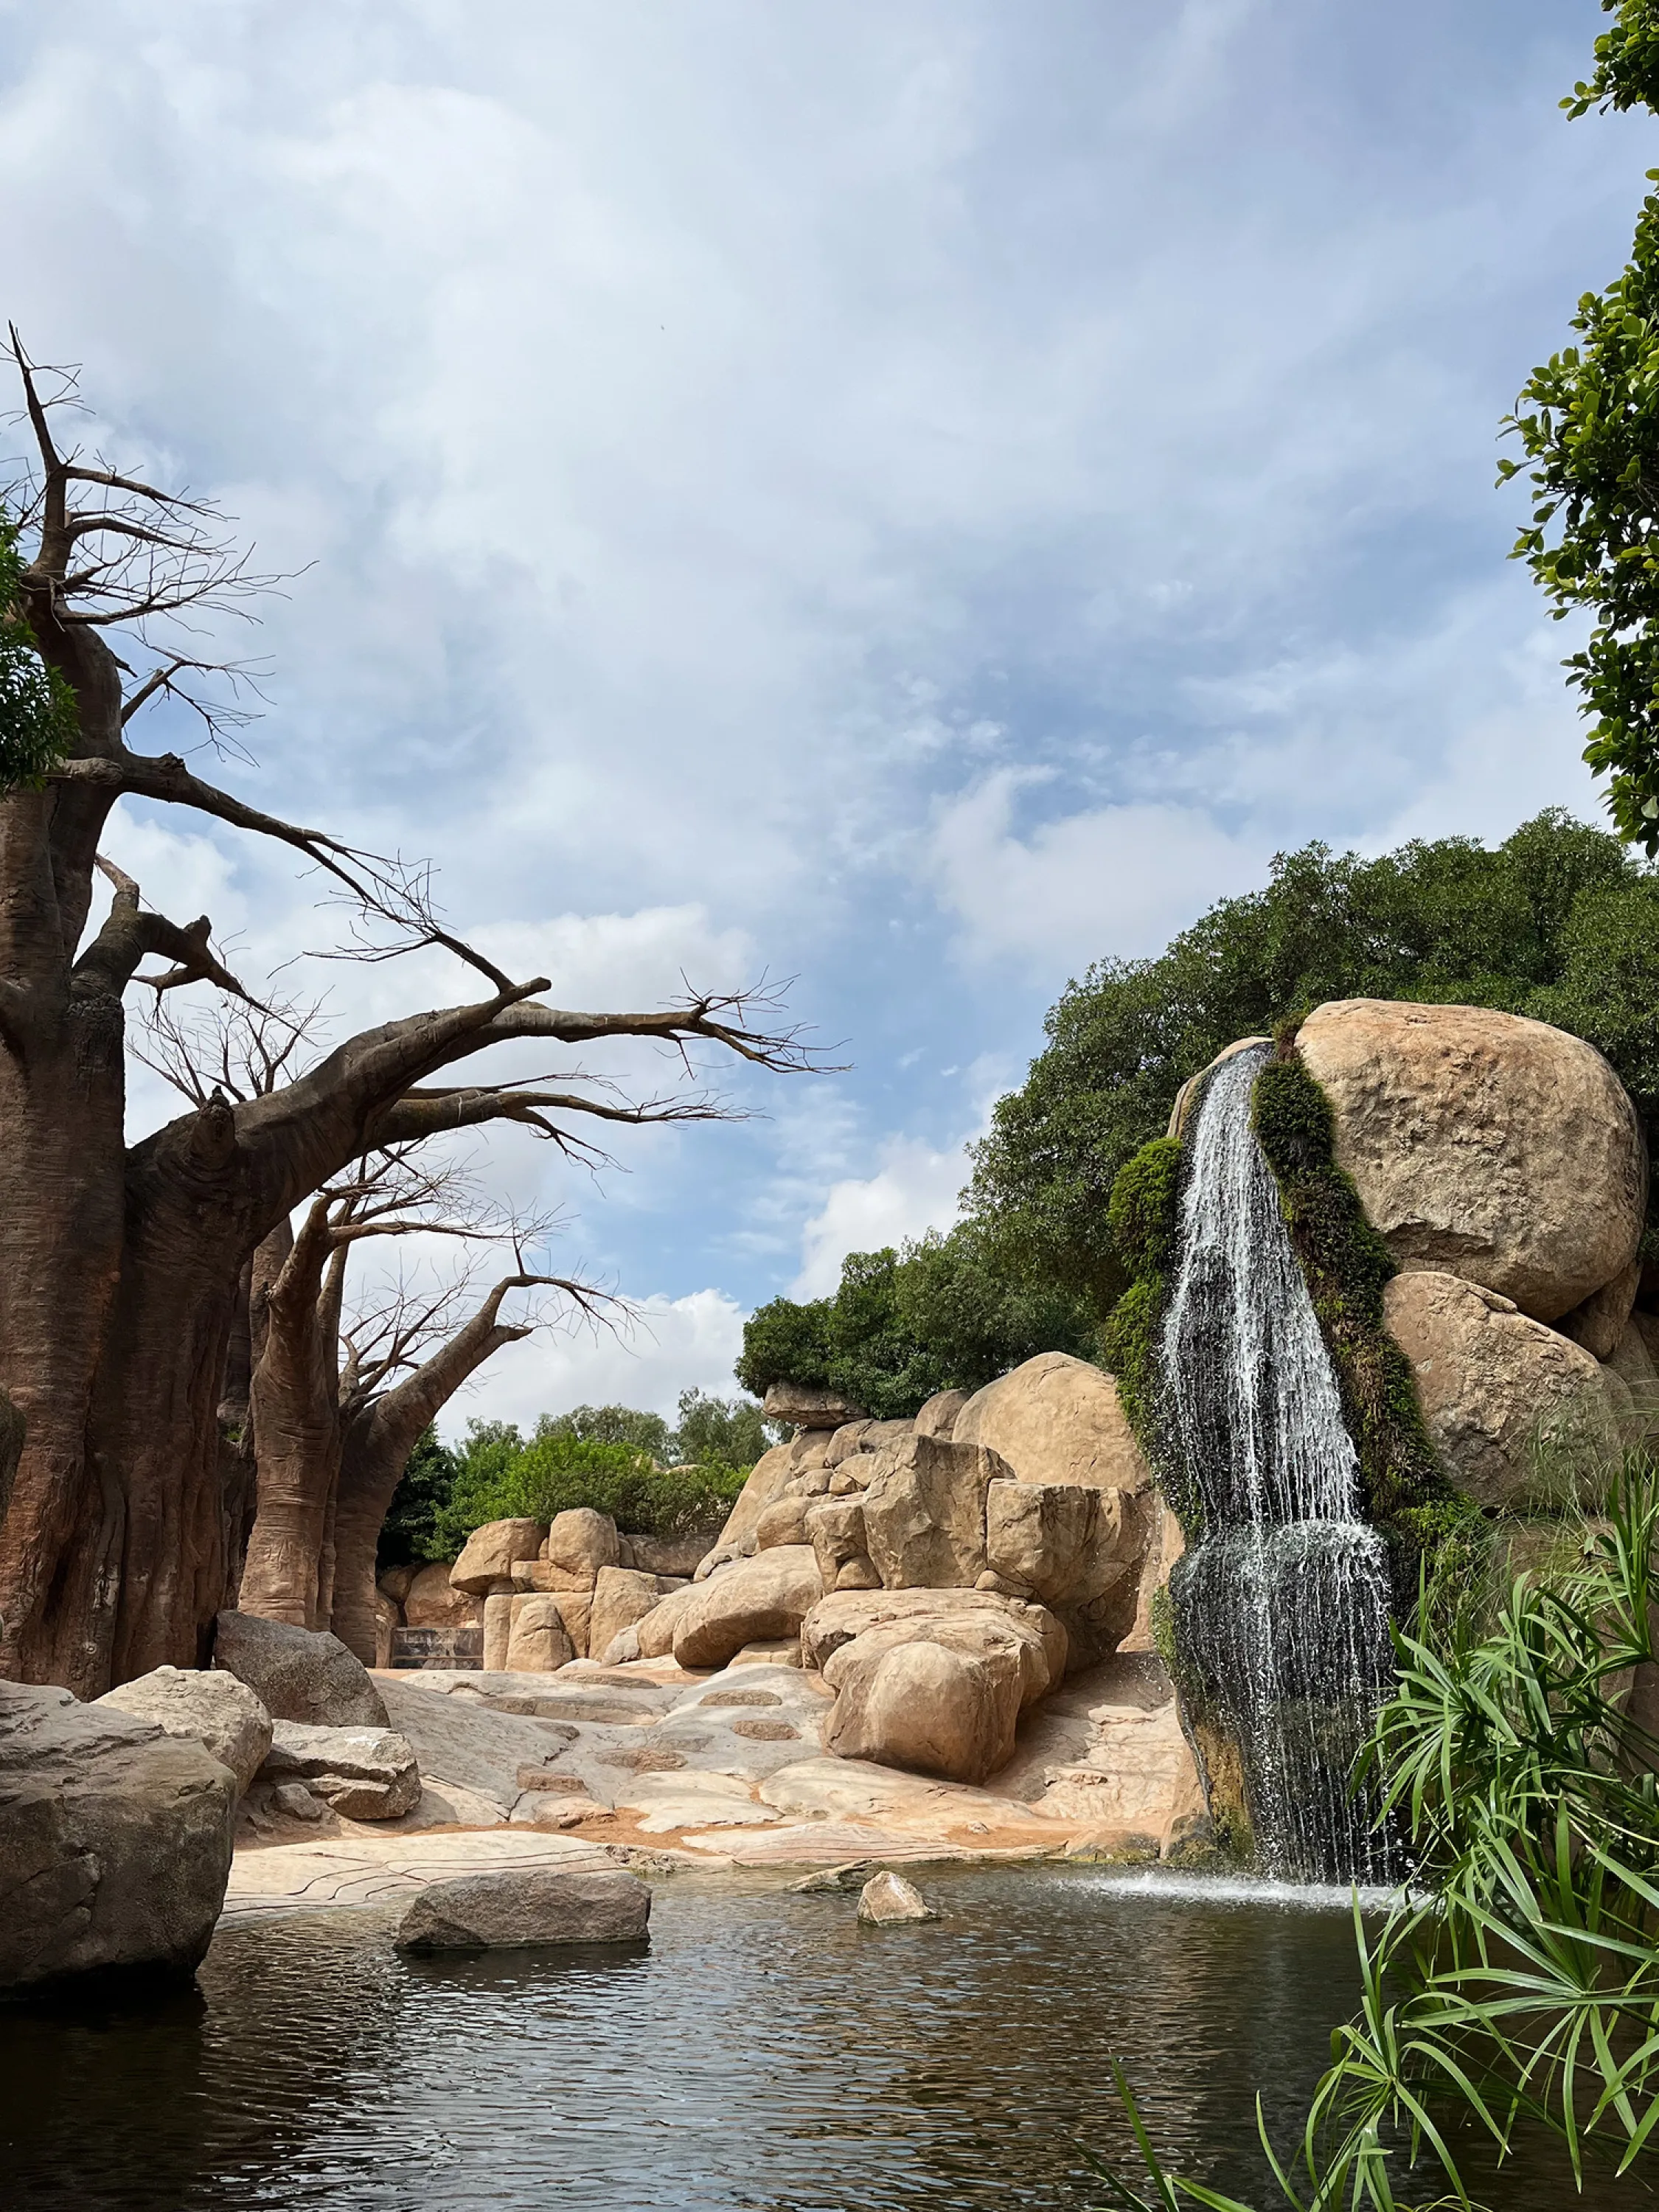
x=582, y=1541
x=1063, y=1542
x=1056, y=1419
x=752, y=1602
x=538, y=1642
x=807, y=1405
x=488, y=1555
x=940, y=1693
x=937, y=1416
x=766, y=1479
x=622, y=1597
x=924, y=1513
x=297, y=1674
x=211, y=1709
x=911, y=1616
x=115, y=1840
x=365, y=1774
x=1484, y=1145
x=531, y=1905
x=1510, y=1405
x=432, y=1601
x=656, y=1632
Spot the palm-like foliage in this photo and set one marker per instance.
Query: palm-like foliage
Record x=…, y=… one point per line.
x=1517, y=1981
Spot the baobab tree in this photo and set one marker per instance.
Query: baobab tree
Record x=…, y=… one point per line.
x=120, y=1265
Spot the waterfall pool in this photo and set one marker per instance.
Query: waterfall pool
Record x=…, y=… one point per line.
x=765, y=2054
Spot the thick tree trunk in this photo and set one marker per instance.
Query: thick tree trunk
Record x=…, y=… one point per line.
x=295, y=1397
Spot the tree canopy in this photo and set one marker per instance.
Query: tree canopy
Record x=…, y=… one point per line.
x=1560, y=922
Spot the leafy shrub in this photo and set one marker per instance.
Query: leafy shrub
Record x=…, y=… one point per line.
x=37, y=717
x=501, y=1477
x=410, y=1535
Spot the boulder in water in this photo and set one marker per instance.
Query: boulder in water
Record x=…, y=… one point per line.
x=887, y=1899
x=535, y=1904
x=1485, y=1145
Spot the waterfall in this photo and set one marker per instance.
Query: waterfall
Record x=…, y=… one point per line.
x=1282, y=1608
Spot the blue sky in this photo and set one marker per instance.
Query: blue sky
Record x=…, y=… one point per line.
x=911, y=496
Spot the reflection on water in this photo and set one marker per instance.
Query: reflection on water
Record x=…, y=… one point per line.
x=766, y=2052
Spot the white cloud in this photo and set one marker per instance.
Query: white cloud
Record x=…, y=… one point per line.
x=915, y=1189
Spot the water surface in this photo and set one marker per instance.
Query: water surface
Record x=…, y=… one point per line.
x=765, y=2051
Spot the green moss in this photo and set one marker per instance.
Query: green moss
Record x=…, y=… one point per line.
x=1346, y=1264
x=1145, y=1214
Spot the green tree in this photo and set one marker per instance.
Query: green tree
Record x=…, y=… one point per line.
x=1588, y=423
x=500, y=1476
x=1559, y=921
x=610, y=1425
x=37, y=704
x=408, y=1534
x=720, y=1432
x=935, y=1315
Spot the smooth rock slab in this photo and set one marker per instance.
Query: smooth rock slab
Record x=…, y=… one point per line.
x=505, y=1911
x=211, y=1709
x=298, y=1674
x=888, y=1897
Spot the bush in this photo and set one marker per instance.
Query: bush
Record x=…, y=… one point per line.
x=501, y=1477
x=409, y=1536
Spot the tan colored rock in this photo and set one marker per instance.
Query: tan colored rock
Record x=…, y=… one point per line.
x=210, y=1708
x=1056, y=1419
x=1187, y=1097
x=388, y=1619
x=538, y=1641
x=936, y=1417
x=676, y=1557
x=1484, y=1144
x=766, y=1477
x=946, y=1701
x=887, y=1899
x=805, y=1406
x=924, y=1513
x=1603, y=1319
x=858, y=1574
x=753, y=1600
x=847, y=1440
x=836, y=1622
x=582, y=1541
x=784, y=1522
x=432, y=1601
x=853, y=1477
x=1508, y=1403
x=516, y=1906
x=621, y=1597
x=497, y=1629
x=365, y=1774
x=835, y=1528
x=1063, y=1542
x=396, y=1581
x=543, y=1576
x=490, y=1553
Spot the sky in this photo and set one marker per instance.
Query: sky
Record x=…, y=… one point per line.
x=905, y=499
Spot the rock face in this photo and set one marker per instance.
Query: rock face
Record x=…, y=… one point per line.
x=751, y=1601
x=432, y=1601
x=807, y=1407
x=582, y=1541
x=214, y=1709
x=1056, y=1419
x=1491, y=1382
x=937, y=1416
x=1603, y=1319
x=490, y=1551
x=538, y=1640
x=495, y=1912
x=366, y=1774
x=622, y=1597
x=114, y=1840
x=936, y=1687
x=297, y=1674
x=887, y=1897
x=924, y=1513
x=1484, y=1145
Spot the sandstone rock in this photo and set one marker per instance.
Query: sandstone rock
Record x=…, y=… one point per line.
x=847, y=1439
x=752, y=1601
x=1603, y=1317
x=1057, y=1420
x=114, y=1840
x=396, y=1581
x=538, y=1642
x=1497, y=1388
x=582, y=1541
x=1484, y=1145
x=365, y=1774
x=766, y=1477
x=543, y=1576
x=388, y=1622
x=924, y=1514
x=835, y=1620
x=937, y=1706
x=1187, y=1097
x=858, y=1574
x=784, y=1522
x=297, y=1674
x=1060, y=1541
x=808, y=1406
x=432, y=1601
x=936, y=1417
x=655, y=1631
x=490, y=1553
x=214, y=1709
x=888, y=1897
x=835, y=1529
x=852, y=1478
x=674, y=1556
x=539, y=1904
x=576, y=1609
x=497, y=1629
x=621, y=1597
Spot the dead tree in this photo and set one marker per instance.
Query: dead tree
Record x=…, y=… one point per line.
x=120, y=1267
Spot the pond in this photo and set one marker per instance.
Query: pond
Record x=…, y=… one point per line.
x=765, y=2051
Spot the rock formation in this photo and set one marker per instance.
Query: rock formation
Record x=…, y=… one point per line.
x=497, y=1912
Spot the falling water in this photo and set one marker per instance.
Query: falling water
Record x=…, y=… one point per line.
x=1283, y=1608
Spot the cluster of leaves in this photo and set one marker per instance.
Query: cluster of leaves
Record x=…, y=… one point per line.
x=1144, y=1215
x=1516, y=1985
x=37, y=721
x=937, y=1315
x=1560, y=922
x=652, y=1479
